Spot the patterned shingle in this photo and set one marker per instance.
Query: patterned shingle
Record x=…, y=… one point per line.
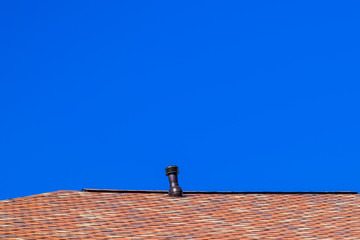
x=131, y=215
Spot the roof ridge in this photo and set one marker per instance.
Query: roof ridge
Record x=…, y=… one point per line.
x=214, y=192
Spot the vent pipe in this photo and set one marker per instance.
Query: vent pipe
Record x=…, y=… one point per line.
x=175, y=190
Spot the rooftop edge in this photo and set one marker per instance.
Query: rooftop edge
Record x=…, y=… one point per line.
x=211, y=192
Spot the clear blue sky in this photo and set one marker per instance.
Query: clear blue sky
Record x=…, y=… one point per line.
x=241, y=95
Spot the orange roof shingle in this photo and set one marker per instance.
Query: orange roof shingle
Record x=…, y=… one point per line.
x=150, y=215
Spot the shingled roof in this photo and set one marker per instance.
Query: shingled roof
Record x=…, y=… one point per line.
x=106, y=214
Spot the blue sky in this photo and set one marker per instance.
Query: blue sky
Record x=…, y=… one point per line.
x=241, y=95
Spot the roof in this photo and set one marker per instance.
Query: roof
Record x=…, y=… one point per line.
x=154, y=215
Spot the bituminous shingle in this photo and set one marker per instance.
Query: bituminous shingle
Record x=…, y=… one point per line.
x=131, y=215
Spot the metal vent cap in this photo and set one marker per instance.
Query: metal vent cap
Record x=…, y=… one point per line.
x=171, y=169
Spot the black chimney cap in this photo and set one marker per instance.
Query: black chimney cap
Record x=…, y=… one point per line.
x=171, y=169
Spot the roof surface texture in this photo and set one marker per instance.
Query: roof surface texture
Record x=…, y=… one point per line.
x=154, y=215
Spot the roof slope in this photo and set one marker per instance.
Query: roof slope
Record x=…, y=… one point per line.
x=131, y=215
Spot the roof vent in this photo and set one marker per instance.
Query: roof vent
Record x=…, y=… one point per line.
x=175, y=190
